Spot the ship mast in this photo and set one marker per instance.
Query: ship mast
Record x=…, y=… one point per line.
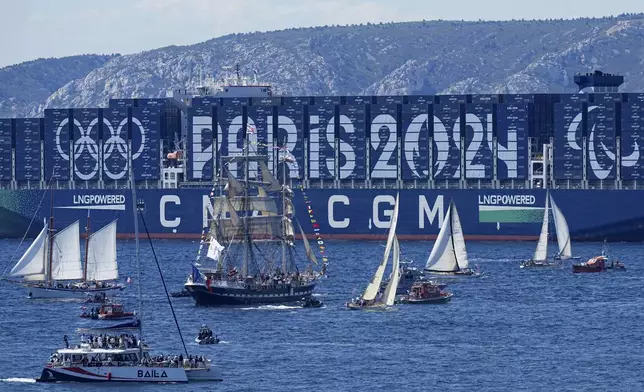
x=284, y=266
x=135, y=208
x=86, y=248
x=246, y=240
x=49, y=256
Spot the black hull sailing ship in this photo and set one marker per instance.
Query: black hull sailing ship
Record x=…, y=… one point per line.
x=253, y=218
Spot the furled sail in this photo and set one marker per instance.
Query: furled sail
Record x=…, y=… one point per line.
x=265, y=205
x=214, y=249
x=101, y=254
x=268, y=177
x=234, y=187
x=449, y=253
x=265, y=227
x=31, y=265
x=389, y=295
x=563, y=234
x=289, y=233
x=541, y=253
x=65, y=258
x=307, y=246
x=374, y=286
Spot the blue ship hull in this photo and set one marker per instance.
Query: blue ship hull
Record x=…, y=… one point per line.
x=615, y=215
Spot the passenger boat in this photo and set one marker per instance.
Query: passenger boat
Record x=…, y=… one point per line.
x=426, y=293
x=540, y=256
x=448, y=257
x=119, y=358
x=371, y=299
x=251, y=238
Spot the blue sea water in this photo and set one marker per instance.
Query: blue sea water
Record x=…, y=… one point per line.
x=510, y=330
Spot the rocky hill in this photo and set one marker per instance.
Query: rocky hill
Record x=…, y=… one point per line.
x=25, y=87
x=396, y=58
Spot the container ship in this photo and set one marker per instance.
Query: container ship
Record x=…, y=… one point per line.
x=494, y=155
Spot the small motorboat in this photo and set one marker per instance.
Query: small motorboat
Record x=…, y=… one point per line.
x=594, y=264
x=538, y=264
x=206, y=336
x=113, y=312
x=311, y=303
x=427, y=293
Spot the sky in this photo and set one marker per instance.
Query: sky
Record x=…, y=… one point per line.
x=33, y=29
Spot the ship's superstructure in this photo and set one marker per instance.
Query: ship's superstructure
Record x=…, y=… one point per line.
x=495, y=154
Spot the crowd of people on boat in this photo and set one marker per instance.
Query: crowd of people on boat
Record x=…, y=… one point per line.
x=189, y=362
x=108, y=341
x=273, y=278
x=205, y=333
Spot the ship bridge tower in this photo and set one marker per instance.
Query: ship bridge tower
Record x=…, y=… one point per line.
x=598, y=82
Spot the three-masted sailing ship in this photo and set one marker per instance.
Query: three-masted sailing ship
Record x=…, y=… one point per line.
x=51, y=267
x=540, y=256
x=251, y=258
x=449, y=255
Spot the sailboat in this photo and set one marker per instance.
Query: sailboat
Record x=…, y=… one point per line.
x=540, y=256
x=449, y=255
x=51, y=266
x=371, y=299
x=253, y=219
x=110, y=354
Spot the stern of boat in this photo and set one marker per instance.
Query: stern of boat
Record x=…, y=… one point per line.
x=208, y=374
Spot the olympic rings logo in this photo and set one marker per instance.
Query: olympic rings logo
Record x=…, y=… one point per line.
x=114, y=144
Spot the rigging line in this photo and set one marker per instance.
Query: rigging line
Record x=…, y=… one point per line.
x=33, y=217
x=165, y=288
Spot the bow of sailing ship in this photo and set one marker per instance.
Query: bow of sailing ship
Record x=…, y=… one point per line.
x=252, y=258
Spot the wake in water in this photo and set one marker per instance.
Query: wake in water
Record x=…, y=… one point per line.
x=18, y=379
x=273, y=307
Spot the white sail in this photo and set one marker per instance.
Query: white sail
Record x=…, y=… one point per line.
x=389, y=295
x=309, y=252
x=443, y=256
x=214, y=249
x=541, y=253
x=31, y=265
x=458, y=240
x=563, y=234
x=65, y=258
x=101, y=254
x=374, y=286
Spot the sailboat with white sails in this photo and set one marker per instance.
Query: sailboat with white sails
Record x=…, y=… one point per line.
x=371, y=299
x=449, y=255
x=540, y=256
x=51, y=266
